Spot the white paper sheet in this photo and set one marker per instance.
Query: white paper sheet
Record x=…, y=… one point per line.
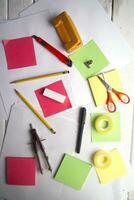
x=2, y=131
x=3, y=112
x=92, y=23
x=18, y=137
x=28, y=90
x=56, y=145
x=46, y=62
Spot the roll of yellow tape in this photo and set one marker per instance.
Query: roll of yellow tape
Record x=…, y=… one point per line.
x=104, y=124
x=102, y=159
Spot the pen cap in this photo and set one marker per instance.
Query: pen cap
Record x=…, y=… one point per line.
x=82, y=115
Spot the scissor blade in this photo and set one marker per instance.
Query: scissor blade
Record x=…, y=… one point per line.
x=108, y=87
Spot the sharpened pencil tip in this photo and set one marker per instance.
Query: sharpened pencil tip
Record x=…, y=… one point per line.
x=34, y=36
x=17, y=92
x=52, y=130
x=12, y=82
x=66, y=72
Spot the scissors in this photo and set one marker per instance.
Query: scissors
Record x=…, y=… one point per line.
x=124, y=98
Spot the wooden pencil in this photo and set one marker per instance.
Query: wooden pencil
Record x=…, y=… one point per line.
x=40, y=77
x=45, y=122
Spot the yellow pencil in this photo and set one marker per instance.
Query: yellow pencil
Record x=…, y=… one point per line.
x=40, y=77
x=35, y=111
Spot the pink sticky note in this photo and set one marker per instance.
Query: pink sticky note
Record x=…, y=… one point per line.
x=19, y=52
x=20, y=170
x=50, y=106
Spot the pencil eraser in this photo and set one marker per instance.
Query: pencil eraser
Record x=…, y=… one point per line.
x=54, y=95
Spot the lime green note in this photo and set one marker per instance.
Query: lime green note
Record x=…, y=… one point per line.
x=114, y=135
x=92, y=53
x=72, y=172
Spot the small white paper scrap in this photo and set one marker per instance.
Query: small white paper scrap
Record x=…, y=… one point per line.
x=54, y=95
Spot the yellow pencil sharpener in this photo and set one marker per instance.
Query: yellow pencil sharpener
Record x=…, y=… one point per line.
x=102, y=159
x=67, y=32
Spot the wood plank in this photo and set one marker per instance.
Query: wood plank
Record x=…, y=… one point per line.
x=3, y=9
x=122, y=14
x=124, y=19
x=131, y=195
x=11, y=8
x=132, y=142
x=15, y=7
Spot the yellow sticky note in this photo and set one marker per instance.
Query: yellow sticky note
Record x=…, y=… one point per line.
x=115, y=170
x=98, y=89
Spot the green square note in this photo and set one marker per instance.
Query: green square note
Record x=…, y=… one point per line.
x=114, y=135
x=91, y=52
x=72, y=172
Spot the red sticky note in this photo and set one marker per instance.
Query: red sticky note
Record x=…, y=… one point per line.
x=20, y=170
x=19, y=52
x=50, y=106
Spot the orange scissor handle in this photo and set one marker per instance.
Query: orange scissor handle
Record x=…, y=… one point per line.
x=110, y=103
x=124, y=98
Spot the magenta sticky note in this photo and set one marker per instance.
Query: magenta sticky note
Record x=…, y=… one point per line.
x=19, y=52
x=20, y=170
x=50, y=106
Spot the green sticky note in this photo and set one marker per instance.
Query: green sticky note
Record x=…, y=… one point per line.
x=92, y=53
x=113, y=135
x=72, y=172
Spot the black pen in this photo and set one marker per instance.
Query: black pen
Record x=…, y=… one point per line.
x=82, y=117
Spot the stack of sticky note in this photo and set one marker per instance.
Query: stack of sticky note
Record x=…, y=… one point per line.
x=19, y=52
x=98, y=89
x=20, y=170
x=114, y=170
x=72, y=172
x=92, y=53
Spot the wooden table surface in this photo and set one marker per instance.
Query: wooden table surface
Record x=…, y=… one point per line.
x=121, y=12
